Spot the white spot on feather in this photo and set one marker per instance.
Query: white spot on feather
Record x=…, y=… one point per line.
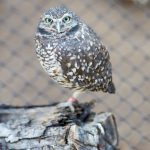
x=91, y=43
x=74, y=70
x=88, y=48
x=90, y=64
x=72, y=58
x=70, y=73
x=69, y=64
x=49, y=46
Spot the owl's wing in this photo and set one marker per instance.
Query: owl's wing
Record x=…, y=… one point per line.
x=103, y=67
x=101, y=62
x=86, y=63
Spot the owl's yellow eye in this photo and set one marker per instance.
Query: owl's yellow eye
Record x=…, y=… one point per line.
x=48, y=20
x=67, y=19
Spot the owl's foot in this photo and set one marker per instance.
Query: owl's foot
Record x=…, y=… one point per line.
x=72, y=100
x=69, y=104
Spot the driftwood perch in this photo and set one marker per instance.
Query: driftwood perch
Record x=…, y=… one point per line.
x=56, y=127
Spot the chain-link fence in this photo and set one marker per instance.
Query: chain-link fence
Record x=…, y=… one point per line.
x=124, y=28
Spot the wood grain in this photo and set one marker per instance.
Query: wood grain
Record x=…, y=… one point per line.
x=56, y=127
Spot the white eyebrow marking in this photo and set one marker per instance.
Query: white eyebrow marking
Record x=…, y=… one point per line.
x=47, y=16
x=66, y=15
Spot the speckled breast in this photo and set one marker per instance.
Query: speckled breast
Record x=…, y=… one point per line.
x=47, y=53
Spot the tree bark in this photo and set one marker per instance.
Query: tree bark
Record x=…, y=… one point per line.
x=57, y=127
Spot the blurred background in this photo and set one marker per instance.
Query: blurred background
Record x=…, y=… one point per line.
x=123, y=27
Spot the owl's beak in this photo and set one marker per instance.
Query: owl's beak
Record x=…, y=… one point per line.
x=58, y=27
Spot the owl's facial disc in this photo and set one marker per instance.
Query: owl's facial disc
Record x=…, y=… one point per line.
x=58, y=25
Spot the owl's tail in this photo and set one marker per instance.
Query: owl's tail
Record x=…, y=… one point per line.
x=111, y=88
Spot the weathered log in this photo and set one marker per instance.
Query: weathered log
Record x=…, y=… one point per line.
x=57, y=127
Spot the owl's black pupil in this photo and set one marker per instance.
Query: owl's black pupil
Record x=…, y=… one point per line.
x=67, y=18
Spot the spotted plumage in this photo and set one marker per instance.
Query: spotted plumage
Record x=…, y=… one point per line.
x=71, y=53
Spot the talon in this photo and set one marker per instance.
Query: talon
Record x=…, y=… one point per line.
x=67, y=104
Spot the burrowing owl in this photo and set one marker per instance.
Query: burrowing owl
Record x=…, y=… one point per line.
x=71, y=52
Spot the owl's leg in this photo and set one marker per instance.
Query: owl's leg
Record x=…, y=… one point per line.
x=71, y=101
x=74, y=97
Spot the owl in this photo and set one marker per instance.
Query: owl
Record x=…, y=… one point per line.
x=71, y=52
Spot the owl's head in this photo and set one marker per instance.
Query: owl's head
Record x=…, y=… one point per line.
x=58, y=20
